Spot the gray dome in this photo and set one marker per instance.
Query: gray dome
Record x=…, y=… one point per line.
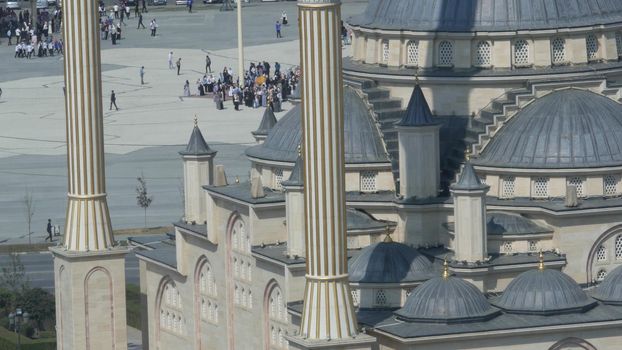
x=446, y=300
x=500, y=223
x=486, y=15
x=389, y=262
x=362, y=140
x=610, y=289
x=543, y=292
x=564, y=129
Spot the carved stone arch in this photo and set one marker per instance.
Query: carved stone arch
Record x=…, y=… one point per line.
x=270, y=287
x=202, y=261
x=158, y=304
x=605, y=236
x=98, y=297
x=572, y=343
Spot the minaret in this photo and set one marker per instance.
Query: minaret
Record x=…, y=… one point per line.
x=470, y=242
x=294, y=210
x=328, y=318
x=419, y=149
x=89, y=267
x=198, y=160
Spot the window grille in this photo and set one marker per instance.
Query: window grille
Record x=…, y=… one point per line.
x=507, y=186
x=381, y=297
x=278, y=178
x=413, y=53
x=618, y=247
x=250, y=299
x=541, y=187
x=591, y=43
x=610, y=185
x=601, y=275
x=579, y=183
x=355, y=297
x=558, y=51
x=445, y=53
x=521, y=52
x=601, y=253
x=385, y=51
x=368, y=181
x=483, y=54
x=619, y=43
x=533, y=246
x=507, y=247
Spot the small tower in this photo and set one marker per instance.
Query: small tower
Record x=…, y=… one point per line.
x=294, y=210
x=470, y=216
x=198, y=160
x=419, y=151
x=267, y=123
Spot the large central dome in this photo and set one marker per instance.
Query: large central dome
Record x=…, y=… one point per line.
x=487, y=15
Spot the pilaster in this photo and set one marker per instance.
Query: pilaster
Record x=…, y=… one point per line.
x=419, y=153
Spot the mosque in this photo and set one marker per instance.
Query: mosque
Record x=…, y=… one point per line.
x=481, y=167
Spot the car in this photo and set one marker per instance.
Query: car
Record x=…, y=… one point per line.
x=52, y=3
x=158, y=2
x=131, y=3
x=42, y=4
x=181, y=2
x=14, y=5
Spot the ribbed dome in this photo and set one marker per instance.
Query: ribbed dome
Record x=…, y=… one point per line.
x=543, y=292
x=564, y=129
x=362, y=140
x=512, y=224
x=610, y=289
x=446, y=300
x=486, y=15
x=389, y=262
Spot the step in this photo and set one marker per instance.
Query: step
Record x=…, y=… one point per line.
x=389, y=113
x=498, y=104
x=474, y=133
x=386, y=103
x=368, y=84
x=377, y=93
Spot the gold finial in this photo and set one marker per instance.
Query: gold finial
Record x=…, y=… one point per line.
x=541, y=261
x=299, y=151
x=467, y=154
x=387, y=238
x=237, y=179
x=196, y=120
x=445, y=268
x=417, y=76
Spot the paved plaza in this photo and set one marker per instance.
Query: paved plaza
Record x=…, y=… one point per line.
x=154, y=120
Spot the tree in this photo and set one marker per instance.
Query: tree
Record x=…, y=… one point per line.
x=142, y=197
x=29, y=211
x=13, y=276
x=39, y=304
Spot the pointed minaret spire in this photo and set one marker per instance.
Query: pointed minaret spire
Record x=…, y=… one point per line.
x=197, y=145
x=418, y=112
x=267, y=123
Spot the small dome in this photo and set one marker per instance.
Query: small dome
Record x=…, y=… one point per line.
x=610, y=289
x=565, y=129
x=500, y=223
x=389, y=262
x=543, y=292
x=446, y=300
x=363, y=143
x=486, y=15
x=358, y=220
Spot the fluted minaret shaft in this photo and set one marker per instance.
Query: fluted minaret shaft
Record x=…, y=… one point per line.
x=87, y=226
x=328, y=312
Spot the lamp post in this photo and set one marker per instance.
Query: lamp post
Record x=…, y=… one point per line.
x=16, y=320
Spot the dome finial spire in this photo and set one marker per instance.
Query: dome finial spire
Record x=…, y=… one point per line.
x=445, y=268
x=417, y=76
x=299, y=151
x=196, y=120
x=541, y=261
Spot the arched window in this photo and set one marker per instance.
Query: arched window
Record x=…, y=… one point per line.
x=412, y=50
x=207, y=290
x=572, y=343
x=601, y=275
x=507, y=186
x=558, y=51
x=368, y=181
x=278, y=178
x=591, y=43
x=601, y=253
x=171, y=315
x=618, y=247
x=619, y=43
x=507, y=247
x=610, y=185
x=540, y=187
x=533, y=246
x=579, y=183
x=445, y=54
x=355, y=297
x=381, y=297
x=483, y=55
x=277, y=317
x=521, y=52
x=385, y=51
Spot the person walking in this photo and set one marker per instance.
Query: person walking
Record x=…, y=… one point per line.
x=189, y=4
x=9, y=34
x=142, y=75
x=208, y=64
x=178, y=65
x=113, y=100
x=170, y=60
x=278, y=29
x=49, y=231
x=140, y=21
x=144, y=6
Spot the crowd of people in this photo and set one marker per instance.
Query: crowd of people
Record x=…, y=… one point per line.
x=113, y=19
x=263, y=86
x=32, y=40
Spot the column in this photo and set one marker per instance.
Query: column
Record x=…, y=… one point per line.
x=328, y=312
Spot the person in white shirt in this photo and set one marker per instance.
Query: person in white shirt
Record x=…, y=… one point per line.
x=170, y=60
x=115, y=9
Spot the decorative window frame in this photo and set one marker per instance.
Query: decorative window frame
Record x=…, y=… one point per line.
x=475, y=53
x=452, y=46
x=564, y=61
x=529, y=62
x=417, y=48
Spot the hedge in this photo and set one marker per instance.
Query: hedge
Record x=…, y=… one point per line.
x=8, y=341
